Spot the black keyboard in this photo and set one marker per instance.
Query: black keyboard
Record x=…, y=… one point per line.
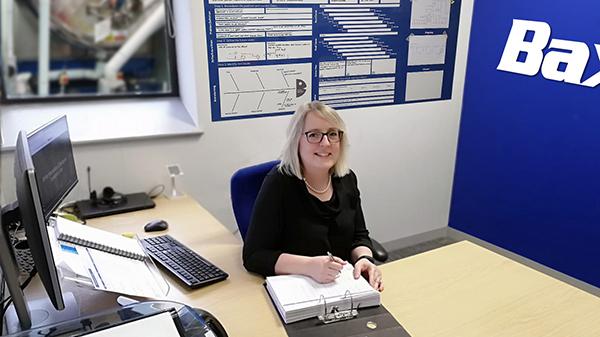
x=191, y=268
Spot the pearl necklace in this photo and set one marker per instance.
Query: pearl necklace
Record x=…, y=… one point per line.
x=315, y=190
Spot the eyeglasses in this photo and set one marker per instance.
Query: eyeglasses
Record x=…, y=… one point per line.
x=316, y=137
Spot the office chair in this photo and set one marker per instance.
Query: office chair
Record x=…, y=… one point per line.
x=245, y=184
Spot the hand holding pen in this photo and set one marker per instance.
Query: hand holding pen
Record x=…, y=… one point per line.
x=325, y=269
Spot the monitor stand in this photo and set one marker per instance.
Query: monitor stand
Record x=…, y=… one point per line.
x=43, y=313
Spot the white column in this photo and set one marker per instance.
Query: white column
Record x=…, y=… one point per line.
x=8, y=53
x=43, y=47
x=152, y=23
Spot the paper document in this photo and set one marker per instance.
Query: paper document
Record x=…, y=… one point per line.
x=107, y=272
x=430, y=14
x=299, y=297
x=121, y=275
x=427, y=49
x=160, y=325
x=424, y=85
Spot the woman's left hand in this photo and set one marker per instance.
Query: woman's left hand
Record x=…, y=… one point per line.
x=371, y=272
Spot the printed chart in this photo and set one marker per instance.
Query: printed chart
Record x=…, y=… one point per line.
x=268, y=56
x=263, y=89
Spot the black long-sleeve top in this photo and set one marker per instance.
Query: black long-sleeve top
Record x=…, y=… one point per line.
x=288, y=219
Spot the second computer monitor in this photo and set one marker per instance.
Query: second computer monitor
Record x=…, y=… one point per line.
x=52, y=156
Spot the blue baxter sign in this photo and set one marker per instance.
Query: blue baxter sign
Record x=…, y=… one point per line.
x=528, y=161
x=565, y=60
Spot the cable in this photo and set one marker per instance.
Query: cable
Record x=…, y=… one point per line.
x=3, y=285
x=70, y=204
x=6, y=300
x=29, y=278
x=23, y=286
x=68, y=211
x=8, y=303
x=4, y=308
x=170, y=19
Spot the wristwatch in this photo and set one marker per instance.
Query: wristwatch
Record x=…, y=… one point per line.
x=370, y=258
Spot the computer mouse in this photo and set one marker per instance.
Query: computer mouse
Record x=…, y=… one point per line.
x=156, y=225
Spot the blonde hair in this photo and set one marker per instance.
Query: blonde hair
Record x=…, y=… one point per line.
x=290, y=159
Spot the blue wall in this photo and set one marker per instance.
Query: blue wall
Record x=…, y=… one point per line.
x=528, y=165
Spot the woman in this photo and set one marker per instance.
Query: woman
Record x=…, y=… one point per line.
x=307, y=217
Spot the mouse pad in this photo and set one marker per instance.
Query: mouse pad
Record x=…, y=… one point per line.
x=387, y=326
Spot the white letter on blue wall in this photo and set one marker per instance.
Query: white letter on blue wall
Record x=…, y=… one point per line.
x=575, y=56
x=594, y=81
x=534, y=49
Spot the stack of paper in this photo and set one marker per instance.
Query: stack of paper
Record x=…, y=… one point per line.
x=299, y=297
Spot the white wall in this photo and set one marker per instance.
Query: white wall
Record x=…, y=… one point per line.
x=403, y=155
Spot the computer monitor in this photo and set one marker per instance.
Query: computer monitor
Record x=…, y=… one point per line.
x=44, y=173
x=52, y=156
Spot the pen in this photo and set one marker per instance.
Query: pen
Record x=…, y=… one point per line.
x=333, y=260
x=330, y=256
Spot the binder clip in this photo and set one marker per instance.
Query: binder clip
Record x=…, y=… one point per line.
x=337, y=315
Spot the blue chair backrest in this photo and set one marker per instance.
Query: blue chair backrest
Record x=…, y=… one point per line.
x=245, y=184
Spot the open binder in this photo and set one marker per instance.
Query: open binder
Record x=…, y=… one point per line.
x=298, y=297
x=104, y=261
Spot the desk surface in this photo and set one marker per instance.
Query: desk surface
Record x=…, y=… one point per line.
x=458, y=290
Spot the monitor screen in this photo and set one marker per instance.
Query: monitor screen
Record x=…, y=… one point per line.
x=52, y=156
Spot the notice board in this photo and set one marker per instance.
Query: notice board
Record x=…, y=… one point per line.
x=267, y=56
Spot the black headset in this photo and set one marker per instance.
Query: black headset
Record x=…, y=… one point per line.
x=109, y=198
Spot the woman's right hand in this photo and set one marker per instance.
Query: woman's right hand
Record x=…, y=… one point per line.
x=324, y=269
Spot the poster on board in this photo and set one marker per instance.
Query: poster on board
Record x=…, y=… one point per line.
x=267, y=56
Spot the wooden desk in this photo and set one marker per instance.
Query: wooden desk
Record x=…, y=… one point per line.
x=458, y=290
x=468, y=291
x=240, y=302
